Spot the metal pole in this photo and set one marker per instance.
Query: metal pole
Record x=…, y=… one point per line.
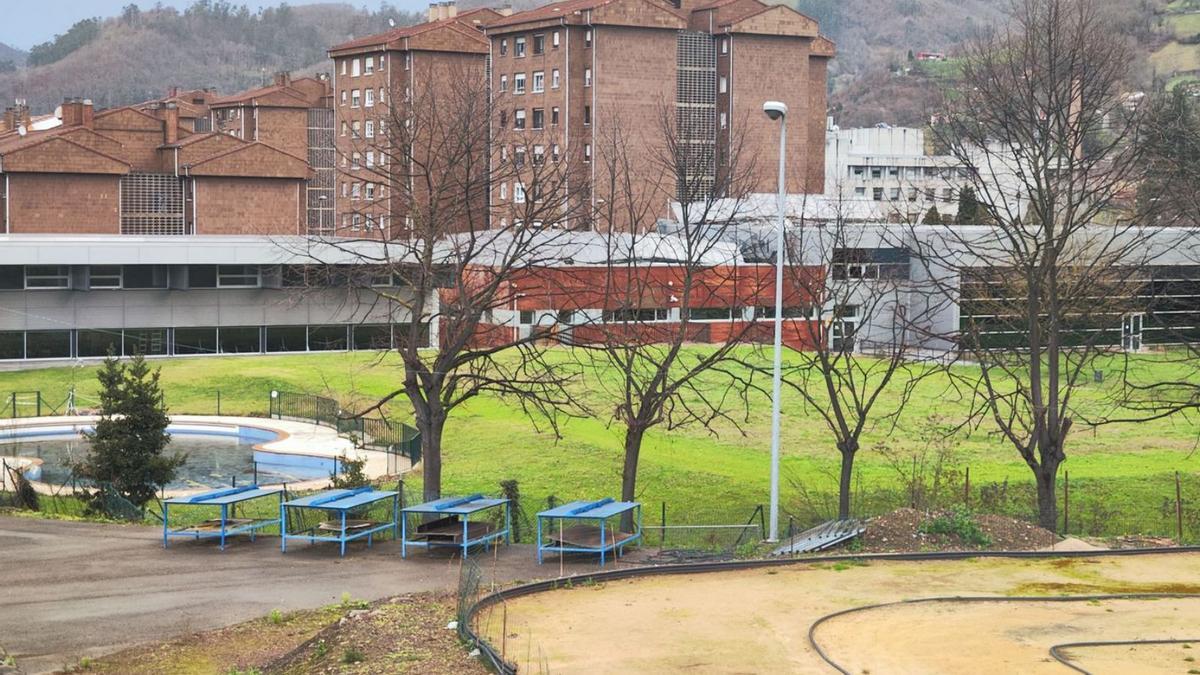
x=1178, y=511
x=776, y=385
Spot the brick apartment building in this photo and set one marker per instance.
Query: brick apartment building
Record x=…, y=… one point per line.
x=127, y=229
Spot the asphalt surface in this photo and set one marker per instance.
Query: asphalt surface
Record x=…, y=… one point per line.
x=72, y=589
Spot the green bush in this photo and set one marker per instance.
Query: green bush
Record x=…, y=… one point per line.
x=957, y=523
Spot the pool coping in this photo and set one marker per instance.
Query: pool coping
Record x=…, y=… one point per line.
x=293, y=438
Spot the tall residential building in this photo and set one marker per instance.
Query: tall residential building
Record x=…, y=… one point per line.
x=574, y=72
x=393, y=79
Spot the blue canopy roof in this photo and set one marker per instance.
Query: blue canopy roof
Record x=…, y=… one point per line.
x=225, y=496
x=342, y=500
x=591, y=510
x=456, y=505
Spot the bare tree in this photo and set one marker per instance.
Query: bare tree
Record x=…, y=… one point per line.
x=859, y=334
x=659, y=293
x=449, y=208
x=1050, y=148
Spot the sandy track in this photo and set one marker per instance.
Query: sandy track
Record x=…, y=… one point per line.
x=758, y=620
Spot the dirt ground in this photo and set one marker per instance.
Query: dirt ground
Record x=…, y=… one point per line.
x=758, y=620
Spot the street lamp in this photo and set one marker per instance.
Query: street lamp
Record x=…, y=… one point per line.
x=777, y=110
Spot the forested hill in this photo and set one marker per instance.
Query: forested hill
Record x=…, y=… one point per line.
x=137, y=55
x=216, y=43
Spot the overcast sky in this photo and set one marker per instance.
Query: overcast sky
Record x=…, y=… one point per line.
x=24, y=23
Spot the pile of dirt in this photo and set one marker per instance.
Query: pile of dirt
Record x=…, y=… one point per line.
x=909, y=530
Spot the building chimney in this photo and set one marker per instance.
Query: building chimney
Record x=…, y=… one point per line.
x=283, y=78
x=505, y=9
x=89, y=113
x=72, y=112
x=170, y=124
x=10, y=120
x=434, y=11
x=450, y=10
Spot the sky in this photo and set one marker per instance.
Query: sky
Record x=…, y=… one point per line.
x=24, y=23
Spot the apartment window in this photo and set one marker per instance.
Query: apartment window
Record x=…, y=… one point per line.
x=355, y=68
x=356, y=222
x=539, y=154
x=724, y=120
x=104, y=276
x=343, y=66
x=539, y=44
x=503, y=46
x=555, y=79
x=857, y=170
x=370, y=65
x=343, y=97
x=518, y=193
x=355, y=160
x=47, y=276
x=355, y=98
x=383, y=127
x=554, y=116
x=554, y=152
x=370, y=102
x=788, y=312
x=587, y=114
x=893, y=171
x=344, y=128
x=356, y=129
x=587, y=77
x=519, y=47
x=710, y=314
x=539, y=118
x=519, y=83
x=503, y=155
x=587, y=38
x=237, y=276
x=724, y=45
x=860, y=192
x=503, y=83
x=519, y=119
x=355, y=191
x=876, y=172
x=370, y=191
x=723, y=87
x=345, y=189
x=380, y=99
x=912, y=194
x=503, y=191
x=877, y=194
x=947, y=195
x=383, y=62
x=370, y=158
x=370, y=129
x=519, y=157
x=587, y=152
x=539, y=81
x=894, y=194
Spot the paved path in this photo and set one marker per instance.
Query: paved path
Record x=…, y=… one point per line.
x=74, y=589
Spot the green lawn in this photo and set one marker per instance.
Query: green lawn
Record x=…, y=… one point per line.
x=1184, y=25
x=1120, y=475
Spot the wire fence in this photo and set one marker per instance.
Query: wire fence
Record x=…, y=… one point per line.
x=378, y=433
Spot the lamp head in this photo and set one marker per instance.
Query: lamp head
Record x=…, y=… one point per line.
x=775, y=110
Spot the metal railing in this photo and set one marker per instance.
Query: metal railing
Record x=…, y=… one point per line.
x=378, y=433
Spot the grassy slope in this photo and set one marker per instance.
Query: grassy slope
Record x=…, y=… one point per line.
x=713, y=477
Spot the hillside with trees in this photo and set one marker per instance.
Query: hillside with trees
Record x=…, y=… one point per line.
x=214, y=43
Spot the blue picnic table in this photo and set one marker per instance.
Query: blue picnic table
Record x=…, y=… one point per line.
x=591, y=533
x=454, y=526
x=339, y=503
x=226, y=500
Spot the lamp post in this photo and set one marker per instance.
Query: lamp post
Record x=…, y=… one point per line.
x=777, y=111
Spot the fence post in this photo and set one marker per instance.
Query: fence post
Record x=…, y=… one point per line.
x=1066, y=502
x=38, y=398
x=967, y=489
x=1178, y=511
x=218, y=403
x=662, y=532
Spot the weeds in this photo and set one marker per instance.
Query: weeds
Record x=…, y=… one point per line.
x=353, y=655
x=957, y=523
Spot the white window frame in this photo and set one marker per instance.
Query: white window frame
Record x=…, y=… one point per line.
x=518, y=193
x=503, y=83
x=539, y=82
x=355, y=98
x=587, y=77
x=518, y=84
x=369, y=66
x=519, y=48
x=555, y=79
x=369, y=130
x=356, y=191
x=355, y=68
x=554, y=40
x=370, y=159
x=236, y=276
x=94, y=274
x=369, y=100
x=49, y=277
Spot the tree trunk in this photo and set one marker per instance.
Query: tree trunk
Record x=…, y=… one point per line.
x=1047, y=503
x=633, y=449
x=847, y=476
x=431, y=454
